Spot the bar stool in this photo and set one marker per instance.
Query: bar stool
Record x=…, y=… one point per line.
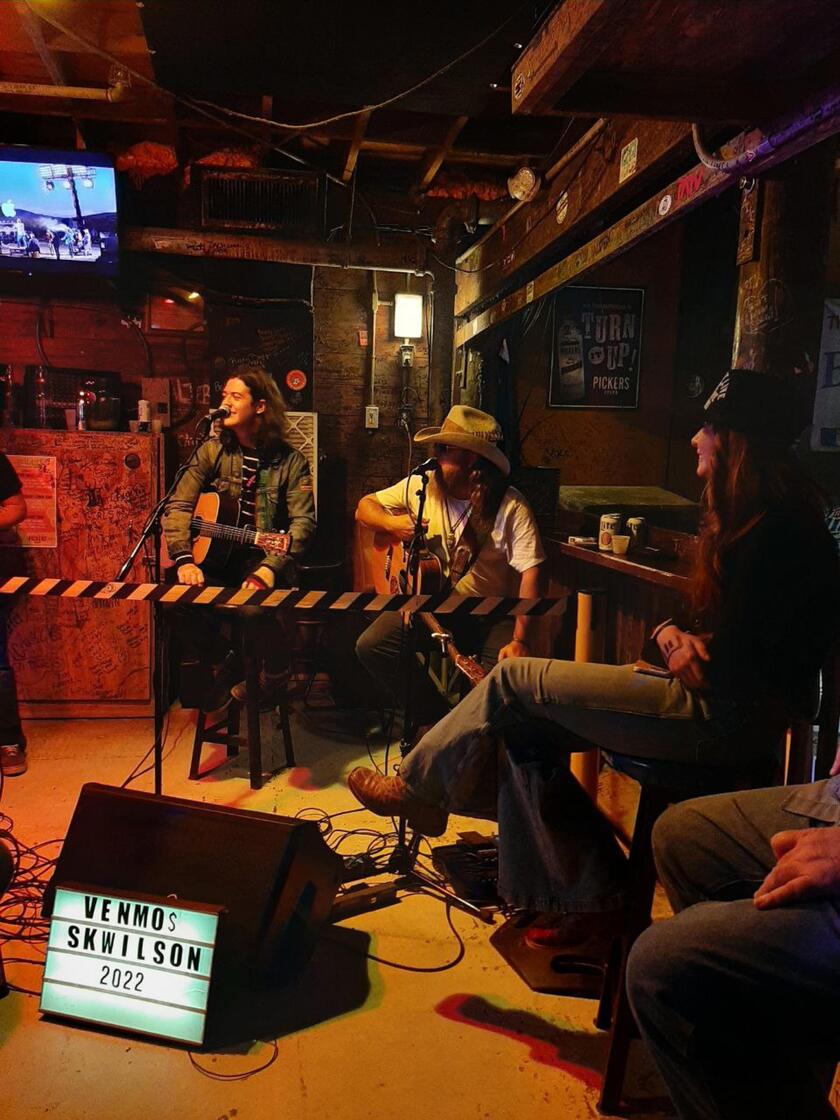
x=311, y=624
x=661, y=784
x=227, y=730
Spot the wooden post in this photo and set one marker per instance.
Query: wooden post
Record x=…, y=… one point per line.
x=782, y=255
x=589, y=646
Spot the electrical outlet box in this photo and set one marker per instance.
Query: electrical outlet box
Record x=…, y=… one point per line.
x=371, y=416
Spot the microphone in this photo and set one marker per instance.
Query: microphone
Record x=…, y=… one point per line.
x=220, y=413
x=424, y=468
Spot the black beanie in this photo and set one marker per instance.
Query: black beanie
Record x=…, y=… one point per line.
x=761, y=405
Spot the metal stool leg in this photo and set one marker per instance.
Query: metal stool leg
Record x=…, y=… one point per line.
x=252, y=709
x=198, y=743
x=288, y=746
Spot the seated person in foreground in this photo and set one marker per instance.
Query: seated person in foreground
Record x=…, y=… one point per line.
x=483, y=533
x=737, y=995
x=250, y=462
x=765, y=610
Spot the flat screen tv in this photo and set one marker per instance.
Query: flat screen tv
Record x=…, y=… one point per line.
x=58, y=212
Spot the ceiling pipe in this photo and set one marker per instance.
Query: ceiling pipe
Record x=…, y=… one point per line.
x=115, y=92
x=815, y=117
x=466, y=212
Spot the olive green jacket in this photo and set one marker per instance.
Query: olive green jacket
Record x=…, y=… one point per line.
x=284, y=500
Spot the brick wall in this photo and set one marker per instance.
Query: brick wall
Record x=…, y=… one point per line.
x=353, y=461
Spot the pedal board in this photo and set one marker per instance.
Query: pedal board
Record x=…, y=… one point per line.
x=471, y=866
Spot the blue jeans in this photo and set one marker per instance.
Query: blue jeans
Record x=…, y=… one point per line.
x=383, y=648
x=737, y=1003
x=503, y=753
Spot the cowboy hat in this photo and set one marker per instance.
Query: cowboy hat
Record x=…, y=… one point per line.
x=472, y=430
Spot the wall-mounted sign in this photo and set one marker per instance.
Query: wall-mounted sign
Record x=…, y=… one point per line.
x=825, y=433
x=629, y=158
x=136, y=963
x=596, y=341
x=39, y=529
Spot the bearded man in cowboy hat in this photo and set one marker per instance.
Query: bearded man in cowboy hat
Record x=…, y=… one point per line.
x=484, y=533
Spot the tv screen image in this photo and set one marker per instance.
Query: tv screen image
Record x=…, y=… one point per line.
x=58, y=211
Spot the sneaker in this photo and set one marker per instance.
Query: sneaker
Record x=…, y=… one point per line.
x=391, y=797
x=586, y=936
x=13, y=760
x=273, y=690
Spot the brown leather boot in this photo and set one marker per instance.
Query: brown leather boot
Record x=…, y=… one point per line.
x=391, y=797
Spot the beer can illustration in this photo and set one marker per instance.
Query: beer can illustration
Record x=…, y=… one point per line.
x=610, y=524
x=638, y=531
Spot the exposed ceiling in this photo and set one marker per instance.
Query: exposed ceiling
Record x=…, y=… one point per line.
x=719, y=61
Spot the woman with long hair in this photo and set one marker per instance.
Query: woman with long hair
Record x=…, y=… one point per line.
x=734, y=672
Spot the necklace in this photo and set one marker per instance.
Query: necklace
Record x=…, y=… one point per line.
x=450, y=528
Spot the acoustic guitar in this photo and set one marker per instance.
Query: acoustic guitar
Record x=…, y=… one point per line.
x=214, y=526
x=389, y=567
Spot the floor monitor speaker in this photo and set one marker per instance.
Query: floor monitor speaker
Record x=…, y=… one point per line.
x=274, y=876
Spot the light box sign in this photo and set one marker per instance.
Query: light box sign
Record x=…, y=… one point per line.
x=131, y=962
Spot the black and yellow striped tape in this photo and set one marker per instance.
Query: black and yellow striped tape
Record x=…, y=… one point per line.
x=444, y=603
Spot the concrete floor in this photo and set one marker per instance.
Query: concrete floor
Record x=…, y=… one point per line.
x=354, y=1037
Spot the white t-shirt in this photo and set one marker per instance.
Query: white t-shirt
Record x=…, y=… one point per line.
x=512, y=547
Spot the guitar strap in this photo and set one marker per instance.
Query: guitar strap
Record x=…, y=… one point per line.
x=471, y=542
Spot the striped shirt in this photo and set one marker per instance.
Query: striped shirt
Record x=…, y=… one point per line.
x=248, y=497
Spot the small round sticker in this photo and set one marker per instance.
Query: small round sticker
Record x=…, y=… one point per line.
x=664, y=204
x=296, y=380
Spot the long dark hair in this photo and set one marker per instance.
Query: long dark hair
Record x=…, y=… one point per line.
x=748, y=478
x=270, y=434
x=487, y=488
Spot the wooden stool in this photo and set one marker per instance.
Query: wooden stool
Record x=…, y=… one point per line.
x=230, y=736
x=311, y=625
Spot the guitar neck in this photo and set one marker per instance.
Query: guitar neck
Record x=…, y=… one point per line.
x=246, y=536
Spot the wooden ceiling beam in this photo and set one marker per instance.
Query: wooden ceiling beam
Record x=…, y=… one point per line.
x=610, y=164
x=563, y=49
x=666, y=206
x=359, y=129
x=113, y=112
x=434, y=157
x=392, y=257
x=51, y=64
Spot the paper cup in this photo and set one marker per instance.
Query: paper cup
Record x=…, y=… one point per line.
x=620, y=544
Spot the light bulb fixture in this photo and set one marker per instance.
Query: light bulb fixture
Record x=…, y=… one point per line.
x=408, y=315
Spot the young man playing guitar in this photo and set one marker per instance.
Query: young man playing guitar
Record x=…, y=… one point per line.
x=484, y=534
x=250, y=464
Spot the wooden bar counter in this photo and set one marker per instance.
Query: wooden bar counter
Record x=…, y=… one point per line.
x=641, y=589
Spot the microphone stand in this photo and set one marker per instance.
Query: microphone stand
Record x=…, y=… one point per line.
x=152, y=528
x=403, y=859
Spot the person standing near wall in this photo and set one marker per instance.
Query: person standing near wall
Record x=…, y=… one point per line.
x=12, y=739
